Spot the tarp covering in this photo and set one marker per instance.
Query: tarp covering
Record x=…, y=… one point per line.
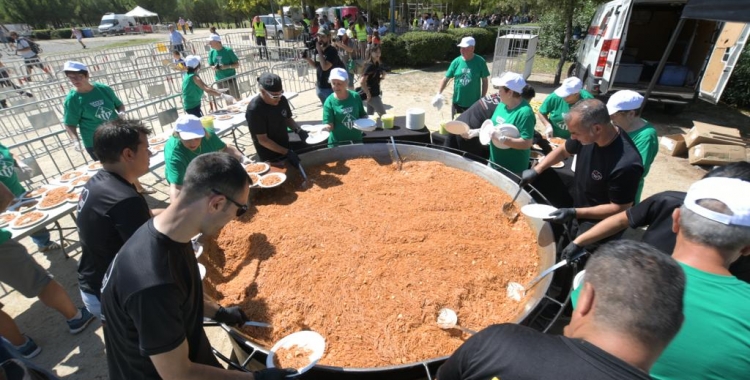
x=718, y=10
x=141, y=12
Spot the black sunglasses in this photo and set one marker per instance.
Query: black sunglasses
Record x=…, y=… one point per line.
x=241, y=209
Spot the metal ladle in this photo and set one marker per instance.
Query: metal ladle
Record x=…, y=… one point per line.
x=447, y=319
x=509, y=208
x=516, y=291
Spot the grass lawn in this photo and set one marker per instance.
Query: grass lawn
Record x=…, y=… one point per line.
x=121, y=44
x=544, y=65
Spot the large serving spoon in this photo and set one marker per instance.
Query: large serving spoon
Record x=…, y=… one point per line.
x=448, y=319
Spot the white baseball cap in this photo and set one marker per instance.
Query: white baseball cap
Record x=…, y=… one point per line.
x=467, y=41
x=338, y=74
x=569, y=87
x=511, y=80
x=341, y=32
x=214, y=37
x=74, y=66
x=189, y=127
x=192, y=61
x=625, y=100
x=730, y=191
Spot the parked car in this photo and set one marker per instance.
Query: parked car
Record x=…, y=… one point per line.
x=627, y=38
x=275, y=26
x=115, y=23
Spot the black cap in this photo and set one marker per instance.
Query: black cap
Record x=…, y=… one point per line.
x=270, y=82
x=324, y=32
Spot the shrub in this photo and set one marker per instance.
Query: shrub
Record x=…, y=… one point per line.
x=485, y=39
x=737, y=92
x=393, y=50
x=40, y=34
x=425, y=48
x=61, y=33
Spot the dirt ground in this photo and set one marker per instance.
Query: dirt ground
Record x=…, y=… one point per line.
x=82, y=356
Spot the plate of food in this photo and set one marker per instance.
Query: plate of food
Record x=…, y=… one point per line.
x=157, y=148
x=69, y=176
x=536, y=156
x=254, y=178
x=257, y=167
x=365, y=124
x=557, y=140
x=271, y=180
x=234, y=109
x=80, y=181
x=28, y=220
x=94, y=166
x=317, y=137
x=36, y=193
x=300, y=350
x=224, y=117
x=54, y=198
x=7, y=217
x=220, y=112
x=24, y=206
x=157, y=140
x=456, y=127
x=73, y=197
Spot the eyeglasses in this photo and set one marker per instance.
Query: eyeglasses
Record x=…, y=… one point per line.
x=272, y=96
x=241, y=209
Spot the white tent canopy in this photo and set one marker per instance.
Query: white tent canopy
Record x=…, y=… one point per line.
x=141, y=12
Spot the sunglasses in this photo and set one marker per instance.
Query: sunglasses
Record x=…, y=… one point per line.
x=272, y=96
x=241, y=209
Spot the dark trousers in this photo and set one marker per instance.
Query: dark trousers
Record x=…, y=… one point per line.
x=90, y=150
x=261, y=41
x=455, y=108
x=194, y=111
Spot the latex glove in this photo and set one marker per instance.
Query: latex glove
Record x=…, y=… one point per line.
x=293, y=158
x=528, y=176
x=437, y=101
x=24, y=168
x=228, y=98
x=232, y=316
x=303, y=135
x=549, y=132
x=563, y=215
x=246, y=161
x=274, y=374
x=471, y=134
x=571, y=251
x=501, y=139
x=77, y=146
x=222, y=90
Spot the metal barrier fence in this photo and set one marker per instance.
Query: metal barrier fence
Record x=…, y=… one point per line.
x=30, y=119
x=49, y=156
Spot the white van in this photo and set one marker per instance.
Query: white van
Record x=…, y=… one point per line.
x=115, y=23
x=626, y=41
x=275, y=26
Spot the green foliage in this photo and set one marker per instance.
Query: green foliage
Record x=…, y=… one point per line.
x=737, y=92
x=41, y=34
x=485, y=39
x=552, y=28
x=64, y=33
x=393, y=50
x=425, y=48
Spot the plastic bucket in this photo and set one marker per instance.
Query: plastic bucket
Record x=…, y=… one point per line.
x=208, y=122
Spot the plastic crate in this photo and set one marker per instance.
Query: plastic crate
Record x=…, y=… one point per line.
x=673, y=76
x=628, y=73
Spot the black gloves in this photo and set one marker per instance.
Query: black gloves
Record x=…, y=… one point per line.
x=274, y=374
x=302, y=134
x=563, y=215
x=571, y=251
x=528, y=176
x=232, y=316
x=293, y=158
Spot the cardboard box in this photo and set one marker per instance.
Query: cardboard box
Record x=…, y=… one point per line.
x=703, y=133
x=715, y=154
x=673, y=145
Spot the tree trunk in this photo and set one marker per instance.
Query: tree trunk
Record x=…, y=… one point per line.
x=569, y=7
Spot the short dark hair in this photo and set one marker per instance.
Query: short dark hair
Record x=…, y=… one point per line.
x=738, y=170
x=592, y=111
x=528, y=92
x=115, y=136
x=639, y=291
x=218, y=171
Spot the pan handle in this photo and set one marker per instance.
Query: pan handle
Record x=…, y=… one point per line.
x=427, y=369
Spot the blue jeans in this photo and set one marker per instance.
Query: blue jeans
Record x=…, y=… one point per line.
x=41, y=238
x=323, y=94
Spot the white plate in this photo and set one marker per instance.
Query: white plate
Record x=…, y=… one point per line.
x=202, y=270
x=96, y=166
x=18, y=205
x=538, y=211
x=157, y=140
x=15, y=215
x=40, y=207
x=38, y=222
x=312, y=128
x=71, y=183
x=198, y=251
x=317, y=137
x=309, y=340
x=456, y=127
x=367, y=124
x=280, y=175
x=80, y=174
x=47, y=188
x=265, y=167
x=486, y=132
x=507, y=130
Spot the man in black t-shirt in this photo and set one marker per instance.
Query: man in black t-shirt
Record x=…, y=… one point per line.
x=617, y=336
x=327, y=59
x=152, y=295
x=268, y=115
x=608, y=166
x=110, y=208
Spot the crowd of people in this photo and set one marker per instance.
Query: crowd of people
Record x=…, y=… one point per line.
x=432, y=21
x=674, y=306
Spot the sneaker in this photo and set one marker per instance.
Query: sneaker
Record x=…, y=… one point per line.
x=78, y=325
x=29, y=349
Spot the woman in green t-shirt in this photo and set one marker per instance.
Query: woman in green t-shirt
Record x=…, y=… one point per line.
x=193, y=87
x=513, y=110
x=341, y=109
x=558, y=103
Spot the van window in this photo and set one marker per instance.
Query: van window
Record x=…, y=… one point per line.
x=603, y=26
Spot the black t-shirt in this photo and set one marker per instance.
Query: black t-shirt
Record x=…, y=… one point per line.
x=608, y=174
x=373, y=73
x=265, y=119
x=656, y=213
x=110, y=210
x=332, y=56
x=480, y=111
x=152, y=300
x=510, y=351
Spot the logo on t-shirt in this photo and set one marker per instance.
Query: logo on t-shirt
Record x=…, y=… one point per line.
x=283, y=113
x=104, y=113
x=348, y=119
x=596, y=175
x=465, y=77
x=82, y=199
x=6, y=168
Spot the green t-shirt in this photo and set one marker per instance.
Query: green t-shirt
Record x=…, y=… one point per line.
x=177, y=157
x=90, y=110
x=647, y=143
x=341, y=113
x=9, y=178
x=522, y=117
x=714, y=341
x=191, y=93
x=467, y=79
x=225, y=56
x=554, y=107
